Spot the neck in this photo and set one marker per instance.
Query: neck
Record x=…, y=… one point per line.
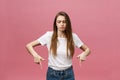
x=61, y=34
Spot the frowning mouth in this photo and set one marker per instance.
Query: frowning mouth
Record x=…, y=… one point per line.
x=62, y=27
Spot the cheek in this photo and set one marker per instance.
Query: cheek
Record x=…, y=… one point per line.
x=65, y=24
x=57, y=25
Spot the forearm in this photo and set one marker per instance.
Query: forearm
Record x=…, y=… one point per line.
x=31, y=50
x=86, y=52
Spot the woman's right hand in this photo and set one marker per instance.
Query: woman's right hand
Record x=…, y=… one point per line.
x=38, y=60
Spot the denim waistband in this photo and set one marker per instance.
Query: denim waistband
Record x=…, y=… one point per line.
x=66, y=74
x=61, y=70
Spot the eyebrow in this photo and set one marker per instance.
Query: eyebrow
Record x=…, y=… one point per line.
x=61, y=20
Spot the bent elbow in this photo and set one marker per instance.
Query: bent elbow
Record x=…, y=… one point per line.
x=27, y=46
x=89, y=50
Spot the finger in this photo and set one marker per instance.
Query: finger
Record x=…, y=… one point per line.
x=78, y=56
x=43, y=59
x=40, y=65
x=80, y=62
x=36, y=62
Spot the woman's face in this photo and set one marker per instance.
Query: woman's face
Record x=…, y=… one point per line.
x=61, y=23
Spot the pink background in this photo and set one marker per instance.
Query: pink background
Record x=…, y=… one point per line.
x=97, y=22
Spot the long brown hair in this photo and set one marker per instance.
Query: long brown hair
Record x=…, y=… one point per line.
x=67, y=32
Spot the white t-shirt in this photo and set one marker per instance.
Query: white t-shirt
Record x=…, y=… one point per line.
x=60, y=62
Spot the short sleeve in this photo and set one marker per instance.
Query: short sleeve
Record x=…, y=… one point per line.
x=78, y=43
x=44, y=39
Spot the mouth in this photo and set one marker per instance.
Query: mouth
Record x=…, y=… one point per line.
x=62, y=27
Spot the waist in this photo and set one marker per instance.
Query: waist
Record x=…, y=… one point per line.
x=70, y=68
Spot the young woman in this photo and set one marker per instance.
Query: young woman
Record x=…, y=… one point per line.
x=60, y=44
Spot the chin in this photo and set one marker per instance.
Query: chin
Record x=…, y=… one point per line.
x=62, y=30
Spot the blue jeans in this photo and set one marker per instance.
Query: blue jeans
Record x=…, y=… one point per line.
x=66, y=74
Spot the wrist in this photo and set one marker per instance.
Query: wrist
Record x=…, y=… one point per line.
x=34, y=54
x=82, y=56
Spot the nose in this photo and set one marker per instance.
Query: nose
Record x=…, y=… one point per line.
x=62, y=23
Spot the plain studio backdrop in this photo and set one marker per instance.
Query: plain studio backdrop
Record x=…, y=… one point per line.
x=97, y=23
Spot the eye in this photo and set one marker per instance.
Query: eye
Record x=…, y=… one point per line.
x=58, y=21
x=64, y=21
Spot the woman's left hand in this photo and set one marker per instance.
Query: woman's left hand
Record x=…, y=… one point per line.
x=81, y=57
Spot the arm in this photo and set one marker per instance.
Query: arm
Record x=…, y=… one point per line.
x=30, y=47
x=85, y=53
x=85, y=49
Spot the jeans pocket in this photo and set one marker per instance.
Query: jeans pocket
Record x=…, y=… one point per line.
x=51, y=73
x=69, y=74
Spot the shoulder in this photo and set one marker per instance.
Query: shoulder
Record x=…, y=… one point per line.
x=74, y=34
x=49, y=33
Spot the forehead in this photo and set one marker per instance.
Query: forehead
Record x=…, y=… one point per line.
x=60, y=17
